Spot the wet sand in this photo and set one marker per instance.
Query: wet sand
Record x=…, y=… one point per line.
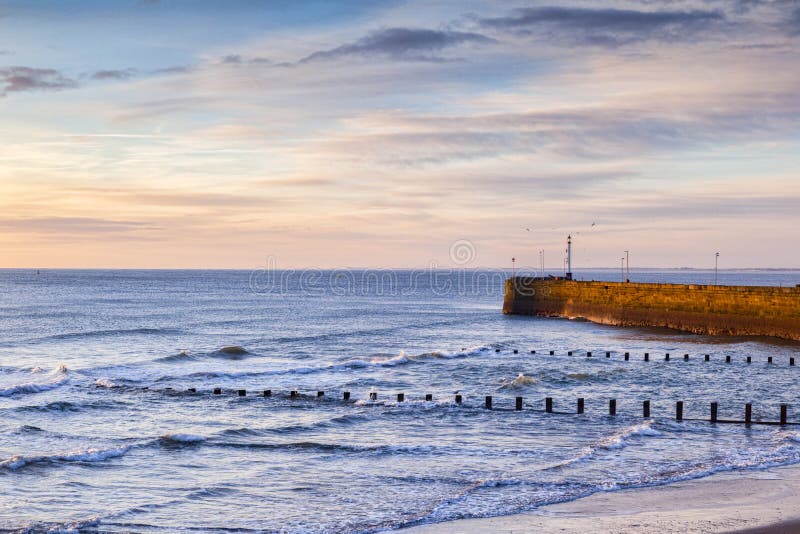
x=765, y=502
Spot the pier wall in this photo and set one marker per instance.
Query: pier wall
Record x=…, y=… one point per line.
x=701, y=309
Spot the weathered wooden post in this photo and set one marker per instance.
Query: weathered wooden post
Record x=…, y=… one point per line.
x=580, y=404
x=714, y=412
x=569, y=353
x=552, y=352
x=267, y=392
x=686, y=357
x=458, y=399
x=533, y=352
x=519, y=403
x=242, y=392
x=217, y=391
x=748, y=413
x=647, y=356
x=516, y=351
x=429, y=396
x=666, y=357
x=548, y=404
x=627, y=356
x=373, y=395
x=769, y=359
x=783, y=414
x=192, y=390
x=749, y=359
x=293, y=394
x=791, y=361
x=589, y=354
x=646, y=408
x=320, y=394
x=346, y=396
x=401, y=397
x=708, y=357
x=612, y=407
x=679, y=411
x=728, y=359
x=608, y=354
x=488, y=403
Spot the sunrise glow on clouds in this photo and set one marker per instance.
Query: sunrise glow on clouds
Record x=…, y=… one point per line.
x=216, y=134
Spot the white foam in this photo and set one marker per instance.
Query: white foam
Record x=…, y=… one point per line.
x=104, y=383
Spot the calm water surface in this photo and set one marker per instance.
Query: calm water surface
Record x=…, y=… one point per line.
x=99, y=432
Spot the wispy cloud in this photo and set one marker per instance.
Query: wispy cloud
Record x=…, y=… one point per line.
x=604, y=26
x=402, y=43
x=17, y=79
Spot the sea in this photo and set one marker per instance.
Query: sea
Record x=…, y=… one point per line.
x=109, y=421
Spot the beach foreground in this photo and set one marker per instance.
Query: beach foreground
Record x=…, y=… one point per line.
x=755, y=501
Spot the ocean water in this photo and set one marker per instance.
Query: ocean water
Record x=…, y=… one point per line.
x=99, y=432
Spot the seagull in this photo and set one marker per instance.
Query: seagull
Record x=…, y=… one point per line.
x=593, y=224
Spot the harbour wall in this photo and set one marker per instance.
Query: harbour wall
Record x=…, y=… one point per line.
x=701, y=309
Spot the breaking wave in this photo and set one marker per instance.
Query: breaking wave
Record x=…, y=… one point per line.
x=519, y=382
x=58, y=378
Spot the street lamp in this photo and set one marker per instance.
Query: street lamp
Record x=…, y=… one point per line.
x=716, y=265
x=627, y=267
x=622, y=268
x=541, y=261
x=513, y=267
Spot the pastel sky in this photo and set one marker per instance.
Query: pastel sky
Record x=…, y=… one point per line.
x=199, y=134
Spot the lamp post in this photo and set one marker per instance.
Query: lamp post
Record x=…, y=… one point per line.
x=627, y=267
x=513, y=267
x=541, y=261
x=716, y=264
x=622, y=268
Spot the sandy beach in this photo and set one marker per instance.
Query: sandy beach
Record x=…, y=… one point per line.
x=751, y=502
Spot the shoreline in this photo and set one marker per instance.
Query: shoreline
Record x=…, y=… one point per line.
x=747, y=502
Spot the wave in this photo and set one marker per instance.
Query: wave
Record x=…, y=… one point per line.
x=230, y=352
x=181, y=438
x=519, y=382
x=66, y=406
x=91, y=455
x=59, y=377
x=347, y=365
x=109, y=333
x=620, y=439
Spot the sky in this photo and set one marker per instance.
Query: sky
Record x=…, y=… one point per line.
x=234, y=134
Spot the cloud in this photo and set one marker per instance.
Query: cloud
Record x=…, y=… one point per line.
x=113, y=74
x=606, y=26
x=792, y=24
x=401, y=43
x=70, y=225
x=18, y=79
